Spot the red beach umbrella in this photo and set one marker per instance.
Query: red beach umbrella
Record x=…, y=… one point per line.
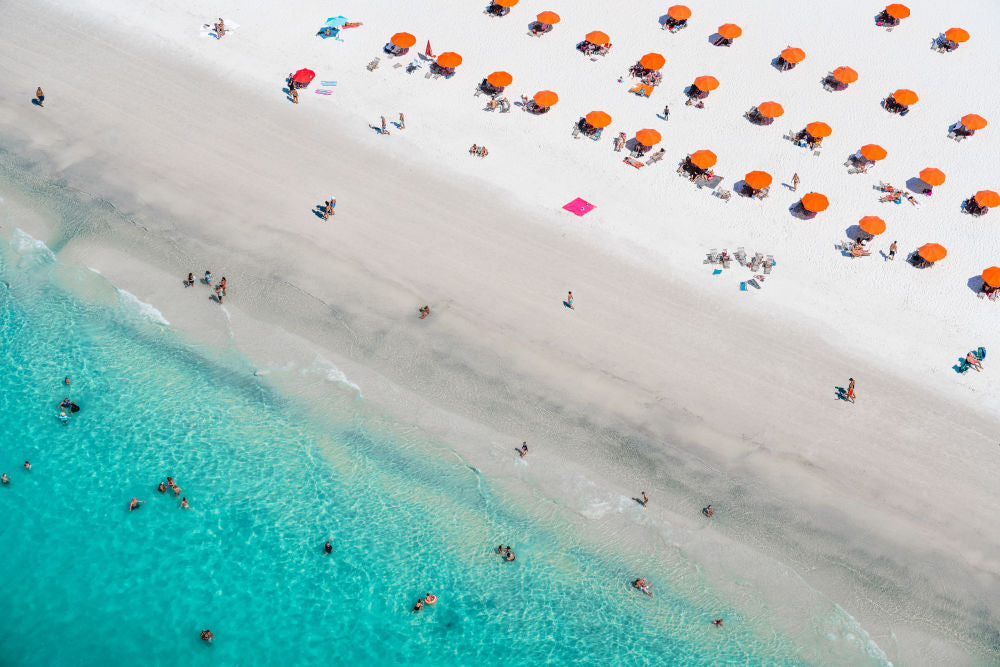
x=819, y=130
x=986, y=198
x=932, y=252
x=505, y=3
x=814, y=202
x=548, y=18
x=703, y=159
x=845, y=75
x=872, y=224
x=545, y=98
x=973, y=122
x=793, y=55
x=403, y=40
x=991, y=276
x=897, y=11
x=932, y=176
x=499, y=79
x=905, y=97
x=706, y=83
x=598, y=119
x=956, y=35
x=648, y=137
x=304, y=76
x=597, y=37
x=770, y=109
x=653, y=61
x=449, y=59
x=873, y=152
x=679, y=13
x=758, y=180
x=730, y=31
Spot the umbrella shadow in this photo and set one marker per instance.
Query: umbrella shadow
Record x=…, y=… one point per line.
x=976, y=283
x=776, y=64
x=854, y=232
x=741, y=188
x=799, y=211
x=663, y=20
x=918, y=186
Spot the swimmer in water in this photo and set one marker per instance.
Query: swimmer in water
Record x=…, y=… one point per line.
x=62, y=415
x=170, y=482
x=184, y=504
x=207, y=635
x=27, y=466
x=500, y=549
x=717, y=622
x=328, y=548
x=134, y=505
x=510, y=556
x=643, y=585
x=66, y=403
x=4, y=479
x=66, y=381
x=177, y=490
x=418, y=606
x=162, y=488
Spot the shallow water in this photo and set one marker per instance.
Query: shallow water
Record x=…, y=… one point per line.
x=269, y=480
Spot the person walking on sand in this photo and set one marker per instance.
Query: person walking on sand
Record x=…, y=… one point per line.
x=293, y=93
x=40, y=97
x=666, y=112
x=402, y=121
x=218, y=293
x=795, y=182
x=645, y=499
x=383, y=125
x=208, y=277
x=892, y=251
x=220, y=28
x=222, y=284
x=190, y=280
x=850, y=390
x=569, y=300
x=524, y=449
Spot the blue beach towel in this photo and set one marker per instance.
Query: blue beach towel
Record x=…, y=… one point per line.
x=716, y=272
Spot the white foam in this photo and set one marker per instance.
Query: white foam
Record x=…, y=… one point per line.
x=90, y=268
x=25, y=244
x=331, y=373
x=148, y=310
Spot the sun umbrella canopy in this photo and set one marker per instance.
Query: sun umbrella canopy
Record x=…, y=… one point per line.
x=679, y=13
x=956, y=35
x=449, y=59
x=598, y=119
x=647, y=137
x=872, y=224
x=973, y=121
x=815, y=202
x=706, y=83
x=403, y=40
x=897, y=11
x=505, y=3
x=730, y=31
x=793, y=55
x=545, y=98
x=652, y=61
x=499, y=79
x=758, y=180
x=987, y=198
x=991, y=276
x=597, y=37
x=304, y=76
x=770, y=109
x=932, y=176
x=336, y=22
x=873, y=152
x=818, y=130
x=703, y=159
x=932, y=252
x=845, y=75
x=548, y=18
x=905, y=97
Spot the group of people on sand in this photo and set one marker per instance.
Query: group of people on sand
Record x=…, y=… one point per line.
x=502, y=103
x=479, y=151
x=220, y=288
x=328, y=207
x=505, y=553
x=220, y=29
x=162, y=488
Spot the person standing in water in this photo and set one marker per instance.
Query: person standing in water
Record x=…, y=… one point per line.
x=27, y=466
x=40, y=97
x=134, y=505
x=6, y=480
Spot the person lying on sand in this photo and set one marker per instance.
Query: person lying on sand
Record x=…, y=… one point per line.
x=974, y=362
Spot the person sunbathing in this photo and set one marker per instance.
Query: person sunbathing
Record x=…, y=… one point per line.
x=474, y=150
x=974, y=362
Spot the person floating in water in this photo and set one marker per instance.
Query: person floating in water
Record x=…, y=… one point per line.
x=27, y=466
x=66, y=381
x=162, y=488
x=418, y=606
x=63, y=416
x=69, y=405
x=184, y=504
x=134, y=505
x=4, y=479
x=643, y=585
x=206, y=635
x=717, y=622
x=328, y=548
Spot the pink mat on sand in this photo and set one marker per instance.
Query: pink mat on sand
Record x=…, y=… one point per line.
x=579, y=206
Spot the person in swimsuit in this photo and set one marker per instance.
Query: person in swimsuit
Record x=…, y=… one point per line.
x=177, y=490
x=708, y=511
x=63, y=416
x=218, y=293
x=418, y=606
x=974, y=362
x=27, y=466
x=510, y=556
x=850, y=390
x=717, y=622
x=500, y=549
x=134, y=505
x=207, y=635
x=66, y=381
x=184, y=504
x=189, y=281
x=645, y=499
x=4, y=479
x=424, y=312
x=66, y=404
x=222, y=284
x=569, y=300
x=328, y=548
x=170, y=482
x=524, y=449
x=40, y=97
x=162, y=488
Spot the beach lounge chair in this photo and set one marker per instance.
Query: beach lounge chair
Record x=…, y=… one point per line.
x=373, y=65
x=710, y=183
x=768, y=264
x=642, y=90
x=755, y=263
x=712, y=257
x=724, y=195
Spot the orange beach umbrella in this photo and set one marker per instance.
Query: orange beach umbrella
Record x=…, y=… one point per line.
x=987, y=198
x=647, y=137
x=499, y=79
x=731, y=31
x=505, y=3
x=598, y=119
x=449, y=59
x=932, y=176
x=905, y=97
x=872, y=224
x=845, y=75
x=403, y=40
x=956, y=35
x=679, y=13
x=873, y=152
x=818, y=130
x=545, y=98
x=932, y=252
x=597, y=37
x=897, y=11
x=703, y=159
x=793, y=55
x=548, y=18
x=652, y=61
x=815, y=202
x=991, y=276
x=973, y=121
x=706, y=83
x=770, y=109
x=758, y=180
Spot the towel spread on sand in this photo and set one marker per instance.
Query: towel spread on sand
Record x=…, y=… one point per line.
x=579, y=206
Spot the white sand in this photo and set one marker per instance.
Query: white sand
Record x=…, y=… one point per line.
x=193, y=137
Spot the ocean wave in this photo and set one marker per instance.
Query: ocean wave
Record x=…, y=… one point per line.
x=148, y=310
x=332, y=374
x=26, y=245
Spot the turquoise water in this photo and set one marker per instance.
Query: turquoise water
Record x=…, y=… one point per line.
x=86, y=581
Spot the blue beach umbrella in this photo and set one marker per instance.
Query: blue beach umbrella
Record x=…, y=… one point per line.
x=336, y=22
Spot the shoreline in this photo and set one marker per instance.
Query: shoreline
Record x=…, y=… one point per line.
x=609, y=359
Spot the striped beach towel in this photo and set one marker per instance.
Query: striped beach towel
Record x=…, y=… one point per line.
x=324, y=92
x=328, y=83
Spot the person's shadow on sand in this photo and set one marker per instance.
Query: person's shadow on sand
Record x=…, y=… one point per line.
x=568, y=304
x=319, y=210
x=34, y=100
x=640, y=501
x=840, y=394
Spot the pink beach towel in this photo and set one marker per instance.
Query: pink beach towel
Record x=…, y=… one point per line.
x=579, y=206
